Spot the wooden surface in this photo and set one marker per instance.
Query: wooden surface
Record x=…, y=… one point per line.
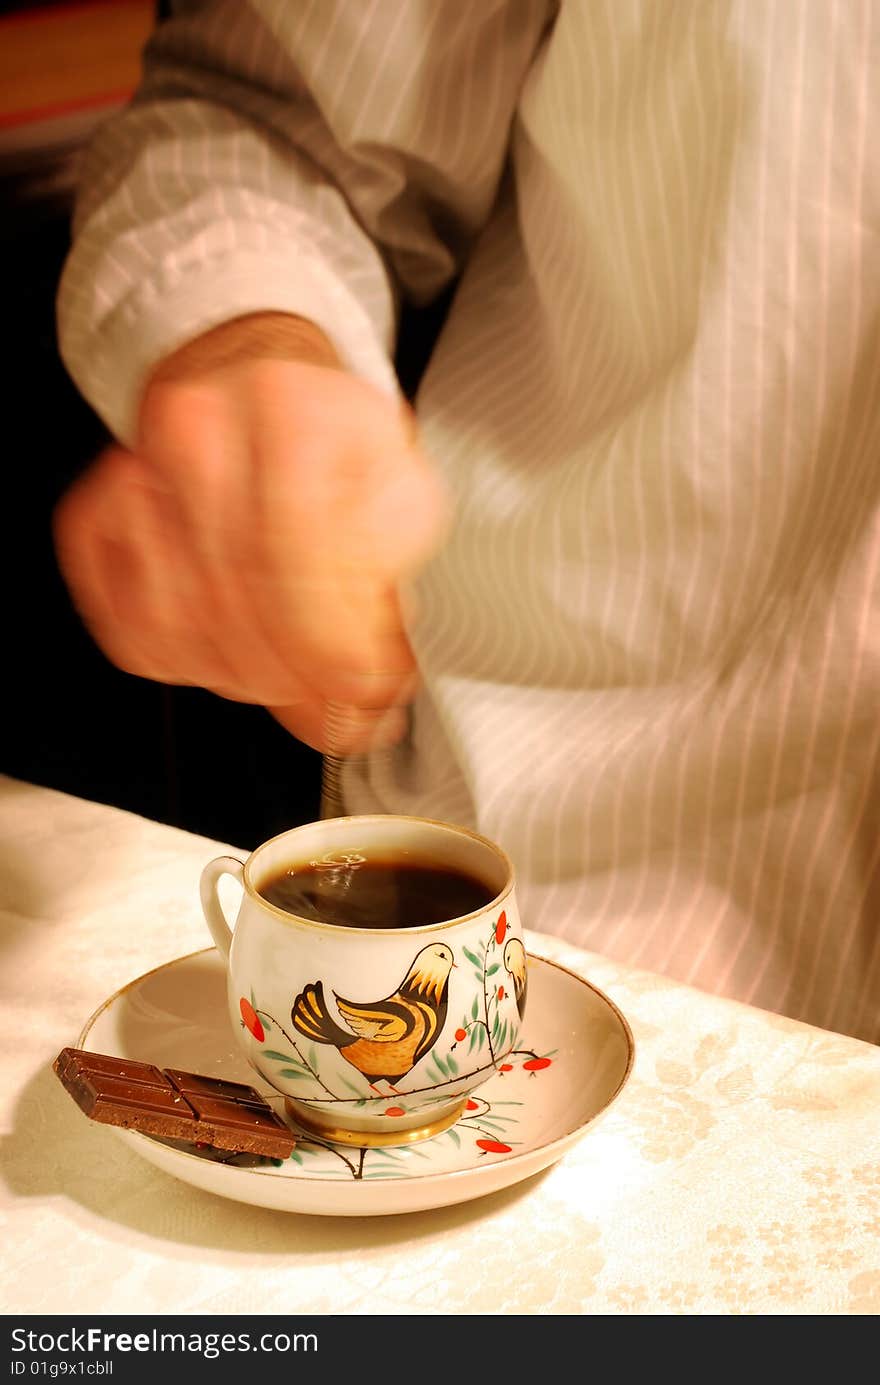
x=59, y=58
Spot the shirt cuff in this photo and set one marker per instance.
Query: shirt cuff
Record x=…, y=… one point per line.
x=175, y=304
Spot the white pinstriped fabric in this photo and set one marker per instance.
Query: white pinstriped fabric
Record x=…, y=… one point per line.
x=651, y=647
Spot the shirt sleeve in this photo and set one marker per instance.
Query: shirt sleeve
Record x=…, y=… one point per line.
x=324, y=159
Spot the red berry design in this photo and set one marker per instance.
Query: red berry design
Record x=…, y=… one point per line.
x=251, y=1020
x=501, y=927
x=536, y=1064
x=500, y=992
x=460, y=1034
x=493, y=1147
x=506, y=1067
x=395, y=1111
x=472, y=1106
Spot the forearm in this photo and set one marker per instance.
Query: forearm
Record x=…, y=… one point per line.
x=247, y=178
x=178, y=246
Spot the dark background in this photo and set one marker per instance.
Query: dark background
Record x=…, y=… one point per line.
x=71, y=720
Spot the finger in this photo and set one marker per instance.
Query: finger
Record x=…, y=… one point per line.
x=199, y=439
x=336, y=473
x=345, y=631
x=131, y=578
x=195, y=438
x=90, y=558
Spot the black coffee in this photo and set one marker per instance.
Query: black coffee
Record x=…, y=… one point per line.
x=354, y=892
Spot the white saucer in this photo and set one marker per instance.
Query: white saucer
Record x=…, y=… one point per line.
x=578, y=1043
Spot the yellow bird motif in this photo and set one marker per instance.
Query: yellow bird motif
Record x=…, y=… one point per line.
x=515, y=961
x=385, y=1038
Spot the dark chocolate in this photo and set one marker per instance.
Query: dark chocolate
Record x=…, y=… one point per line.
x=174, y=1104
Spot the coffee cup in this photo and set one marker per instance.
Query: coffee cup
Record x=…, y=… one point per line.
x=376, y=971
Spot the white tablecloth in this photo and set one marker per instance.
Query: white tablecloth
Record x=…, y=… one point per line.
x=738, y=1172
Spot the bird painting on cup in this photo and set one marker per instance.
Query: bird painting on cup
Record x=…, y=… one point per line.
x=385, y=1038
x=515, y=964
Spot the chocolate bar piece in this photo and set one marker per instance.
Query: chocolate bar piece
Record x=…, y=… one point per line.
x=175, y=1104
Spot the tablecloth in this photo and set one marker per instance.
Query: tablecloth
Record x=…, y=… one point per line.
x=737, y=1172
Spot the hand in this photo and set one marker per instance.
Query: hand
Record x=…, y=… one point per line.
x=254, y=541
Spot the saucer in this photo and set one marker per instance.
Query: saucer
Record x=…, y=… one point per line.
x=575, y=1057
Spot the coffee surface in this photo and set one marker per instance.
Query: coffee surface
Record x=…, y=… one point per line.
x=376, y=893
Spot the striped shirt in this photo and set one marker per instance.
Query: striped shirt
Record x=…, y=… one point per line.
x=650, y=648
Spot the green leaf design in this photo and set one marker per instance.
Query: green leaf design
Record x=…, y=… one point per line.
x=478, y=976
x=351, y=1087
x=451, y=1064
x=493, y=1125
x=496, y=966
x=293, y=1072
x=475, y=1009
x=476, y=1036
x=278, y=1057
x=472, y=957
x=454, y=1137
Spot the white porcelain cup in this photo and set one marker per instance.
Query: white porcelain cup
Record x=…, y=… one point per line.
x=376, y=1036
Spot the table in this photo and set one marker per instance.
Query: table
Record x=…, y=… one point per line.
x=738, y=1171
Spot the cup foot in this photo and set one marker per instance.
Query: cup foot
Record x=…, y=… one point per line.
x=316, y=1123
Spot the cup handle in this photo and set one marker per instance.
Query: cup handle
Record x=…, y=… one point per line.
x=211, y=907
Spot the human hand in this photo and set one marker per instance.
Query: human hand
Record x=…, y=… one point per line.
x=254, y=541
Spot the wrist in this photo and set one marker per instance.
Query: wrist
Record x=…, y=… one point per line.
x=263, y=335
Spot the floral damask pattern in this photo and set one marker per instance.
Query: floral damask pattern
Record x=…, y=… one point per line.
x=739, y=1173
x=716, y=1111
